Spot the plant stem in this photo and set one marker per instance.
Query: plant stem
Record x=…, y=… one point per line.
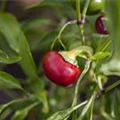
x=106, y=46
x=60, y=33
x=81, y=18
x=80, y=105
x=63, y=28
x=87, y=66
x=85, y=8
x=88, y=106
x=95, y=97
x=78, y=11
x=112, y=86
x=82, y=34
x=79, y=21
x=107, y=89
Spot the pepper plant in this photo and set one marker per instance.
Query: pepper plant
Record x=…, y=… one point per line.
x=68, y=64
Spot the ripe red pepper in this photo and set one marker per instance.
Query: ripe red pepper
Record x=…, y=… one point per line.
x=99, y=26
x=58, y=70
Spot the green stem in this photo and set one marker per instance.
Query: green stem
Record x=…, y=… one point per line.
x=78, y=11
x=85, y=8
x=107, y=89
x=106, y=46
x=80, y=105
x=87, y=66
x=80, y=26
x=88, y=106
x=112, y=86
x=81, y=18
x=94, y=97
x=82, y=33
x=63, y=28
x=60, y=33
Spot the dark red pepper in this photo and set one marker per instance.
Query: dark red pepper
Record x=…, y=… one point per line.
x=58, y=70
x=99, y=26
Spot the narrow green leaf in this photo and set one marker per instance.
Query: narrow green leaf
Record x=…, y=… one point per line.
x=100, y=55
x=101, y=43
x=16, y=39
x=17, y=104
x=115, y=108
x=61, y=115
x=8, y=81
x=21, y=114
x=27, y=62
x=90, y=112
x=40, y=95
x=4, y=58
x=87, y=106
x=106, y=115
x=105, y=103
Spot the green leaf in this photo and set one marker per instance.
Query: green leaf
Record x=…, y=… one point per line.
x=100, y=55
x=115, y=108
x=4, y=58
x=8, y=81
x=21, y=114
x=18, y=104
x=27, y=62
x=7, y=55
x=101, y=43
x=40, y=95
x=106, y=104
x=61, y=115
x=87, y=107
x=21, y=106
x=18, y=43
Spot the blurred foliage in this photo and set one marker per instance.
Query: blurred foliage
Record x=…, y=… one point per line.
x=24, y=42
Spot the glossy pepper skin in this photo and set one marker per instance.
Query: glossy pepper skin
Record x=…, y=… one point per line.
x=95, y=6
x=58, y=70
x=99, y=26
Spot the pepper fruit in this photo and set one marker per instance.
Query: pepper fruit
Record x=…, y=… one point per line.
x=58, y=70
x=99, y=26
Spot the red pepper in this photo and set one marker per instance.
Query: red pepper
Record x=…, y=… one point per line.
x=99, y=26
x=58, y=70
